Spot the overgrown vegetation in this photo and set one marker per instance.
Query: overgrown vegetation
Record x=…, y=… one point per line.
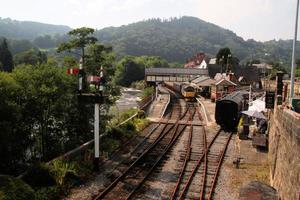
x=14, y=189
x=147, y=92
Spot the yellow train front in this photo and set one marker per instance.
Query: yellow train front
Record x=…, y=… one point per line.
x=188, y=92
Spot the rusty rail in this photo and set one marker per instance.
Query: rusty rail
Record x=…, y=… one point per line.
x=151, y=147
x=174, y=138
x=221, y=158
x=197, y=166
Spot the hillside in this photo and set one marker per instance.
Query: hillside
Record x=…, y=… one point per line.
x=175, y=39
x=179, y=38
x=28, y=30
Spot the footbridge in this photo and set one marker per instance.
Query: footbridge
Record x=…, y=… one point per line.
x=173, y=74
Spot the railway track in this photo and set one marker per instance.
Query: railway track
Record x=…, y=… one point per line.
x=139, y=169
x=201, y=165
x=197, y=168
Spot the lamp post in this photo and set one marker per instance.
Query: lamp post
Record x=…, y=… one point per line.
x=228, y=60
x=293, y=55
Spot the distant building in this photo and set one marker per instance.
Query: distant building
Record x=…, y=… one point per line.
x=241, y=75
x=222, y=87
x=200, y=60
x=204, y=84
x=263, y=68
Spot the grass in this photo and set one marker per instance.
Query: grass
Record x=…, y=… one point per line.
x=250, y=172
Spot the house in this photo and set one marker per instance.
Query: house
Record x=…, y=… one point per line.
x=241, y=75
x=263, y=68
x=203, y=84
x=200, y=60
x=222, y=87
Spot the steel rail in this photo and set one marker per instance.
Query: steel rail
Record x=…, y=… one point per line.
x=187, y=157
x=152, y=146
x=173, y=140
x=221, y=158
x=202, y=189
x=197, y=166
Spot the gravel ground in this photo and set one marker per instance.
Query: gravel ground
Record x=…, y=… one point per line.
x=253, y=164
x=253, y=167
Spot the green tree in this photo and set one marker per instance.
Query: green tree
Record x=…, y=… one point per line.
x=5, y=57
x=80, y=39
x=128, y=71
x=51, y=109
x=222, y=56
x=70, y=62
x=45, y=41
x=30, y=57
x=14, y=131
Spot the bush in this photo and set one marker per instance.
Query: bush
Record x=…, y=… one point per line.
x=140, y=85
x=109, y=145
x=64, y=172
x=39, y=175
x=14, y=189
x=147, y=92
x=140, y=124
x=48, y=193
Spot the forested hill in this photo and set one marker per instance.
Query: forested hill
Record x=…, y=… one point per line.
x=174, y=39
x=177, y=39
x=14, y=29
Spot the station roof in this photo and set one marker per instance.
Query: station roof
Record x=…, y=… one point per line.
x=204, y=81
x=175, y=71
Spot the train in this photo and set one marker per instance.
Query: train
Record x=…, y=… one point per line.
x=228, y=109
x=187, y=90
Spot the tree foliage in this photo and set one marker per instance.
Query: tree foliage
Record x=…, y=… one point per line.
x=39, y=115
x=223, y=56
x=6, y=59
x=130, y=69
x=30, y=57
x=27, y=30
x=80, y=39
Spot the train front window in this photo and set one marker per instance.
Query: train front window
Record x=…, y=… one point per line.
x=189, y=89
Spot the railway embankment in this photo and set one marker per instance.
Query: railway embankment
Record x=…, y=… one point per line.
x=284, y=157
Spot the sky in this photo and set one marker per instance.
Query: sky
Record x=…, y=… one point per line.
x=251, y=19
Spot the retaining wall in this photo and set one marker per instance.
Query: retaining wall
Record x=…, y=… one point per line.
x=284, y=153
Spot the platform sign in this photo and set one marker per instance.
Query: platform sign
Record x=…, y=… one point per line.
x=270, y=99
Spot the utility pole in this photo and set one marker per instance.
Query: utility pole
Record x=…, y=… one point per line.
x=80, y=79
x=96, y=136
x=293, y=55
x=250, y=91
x=97, y=122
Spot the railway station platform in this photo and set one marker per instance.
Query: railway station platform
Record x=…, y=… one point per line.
x=158, y=106
x=209, y=108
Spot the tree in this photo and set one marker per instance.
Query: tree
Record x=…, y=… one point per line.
x=49, y=107
x=80, y=38
x=6, y=57
x=222, y=55
x=129, y=70
x=45, y=41
x=69, y=62
x=15, y=132
x=30, y=57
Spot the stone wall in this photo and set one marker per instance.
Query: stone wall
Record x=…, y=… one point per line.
x=284, y=153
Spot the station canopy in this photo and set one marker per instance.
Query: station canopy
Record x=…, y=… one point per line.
x=175, y=71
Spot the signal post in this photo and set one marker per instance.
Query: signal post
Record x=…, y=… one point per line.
x=96, y=98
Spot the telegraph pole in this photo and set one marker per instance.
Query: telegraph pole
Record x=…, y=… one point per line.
x=80, y=77
x=293, y=55
x=97, y=122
